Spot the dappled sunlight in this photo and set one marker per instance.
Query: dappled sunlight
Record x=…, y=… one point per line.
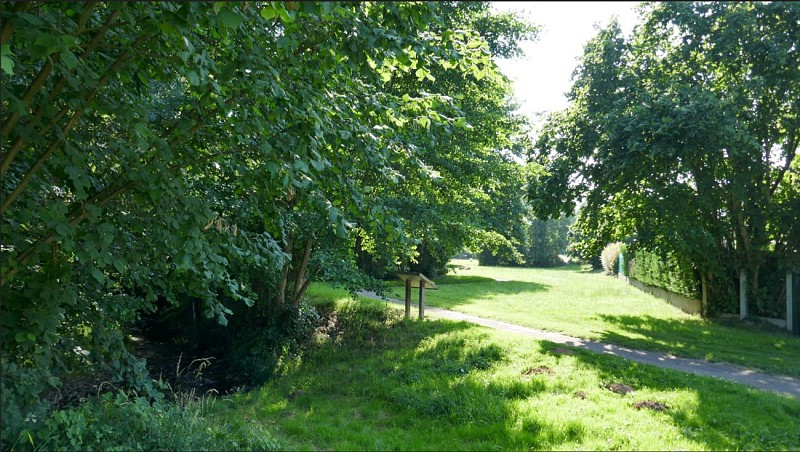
x=710, y=341
x=604, y=308
x=451, y=385
x=452, y=295
x=700, y=406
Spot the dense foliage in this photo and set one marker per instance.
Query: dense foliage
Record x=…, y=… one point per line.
x=609, y=257
x=671, y=273
x=538, y=243
x=199, y=163
x=683, y=139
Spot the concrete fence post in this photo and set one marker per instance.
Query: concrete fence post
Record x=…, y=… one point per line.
x=704, y=295
x=742, y=293
x=793, y=302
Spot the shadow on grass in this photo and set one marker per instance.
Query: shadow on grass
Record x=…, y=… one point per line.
x=573, y=268
x=770, y=351
x=432, y=386
x=719, y=414
x=451, y=295
x=418, y=385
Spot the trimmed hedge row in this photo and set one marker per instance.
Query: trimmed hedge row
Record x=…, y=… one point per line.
x=667, y=273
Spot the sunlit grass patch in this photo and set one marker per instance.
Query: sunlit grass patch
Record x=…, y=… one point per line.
x=599, y=307
x=440, y=385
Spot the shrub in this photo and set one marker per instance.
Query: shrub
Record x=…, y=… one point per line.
x=361, y=322
x=256, y=351
x=610, y=256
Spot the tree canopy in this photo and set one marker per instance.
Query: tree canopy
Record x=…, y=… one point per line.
x=684, y=138
x=223, y=155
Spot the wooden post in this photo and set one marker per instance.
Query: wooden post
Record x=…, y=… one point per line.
x=421, y=300
x=408, y=298
x=742, y=293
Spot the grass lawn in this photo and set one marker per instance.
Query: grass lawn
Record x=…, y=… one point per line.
x=384, y=383
x=600, y=307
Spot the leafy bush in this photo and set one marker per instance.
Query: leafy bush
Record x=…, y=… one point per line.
x=257, y=350
x=360, y=322
x=610, y=256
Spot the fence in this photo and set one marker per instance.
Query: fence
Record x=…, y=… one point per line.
x=696, y=306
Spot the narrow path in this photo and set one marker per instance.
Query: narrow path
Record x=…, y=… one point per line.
x=775, y=383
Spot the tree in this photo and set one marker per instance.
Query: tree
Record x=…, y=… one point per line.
x=684, y=139
x=193, y=152
x=472, y=193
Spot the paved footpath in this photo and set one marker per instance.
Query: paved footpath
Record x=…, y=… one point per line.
x=775, y=383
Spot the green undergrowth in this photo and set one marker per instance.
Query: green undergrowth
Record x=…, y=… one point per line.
x=599, y=307
x=440, y=385
x=373, y=380
x=123, y=421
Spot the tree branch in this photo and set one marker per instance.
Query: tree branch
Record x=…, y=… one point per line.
x=790, y=155
x=301, y=272
x=8, y=28
x=59, y=86
x=281, y=295
x=65, y=131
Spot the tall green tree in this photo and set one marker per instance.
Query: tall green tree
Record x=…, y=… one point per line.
x=154, y=153
x=472, y=196
x=684, y=138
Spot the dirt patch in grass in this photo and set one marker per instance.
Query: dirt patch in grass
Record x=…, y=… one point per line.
x=650, y=405
x=541, y=370
x=618, y=388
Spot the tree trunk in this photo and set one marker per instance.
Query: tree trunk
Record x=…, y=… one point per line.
x=300, y=285
x=280, y=296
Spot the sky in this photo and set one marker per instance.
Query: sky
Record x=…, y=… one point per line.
x=544, y=74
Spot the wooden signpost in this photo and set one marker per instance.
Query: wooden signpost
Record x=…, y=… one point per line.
x=415, y=279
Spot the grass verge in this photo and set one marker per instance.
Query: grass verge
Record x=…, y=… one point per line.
x=599, y=307
x=387, y=383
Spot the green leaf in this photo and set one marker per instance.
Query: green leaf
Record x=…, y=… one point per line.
x=301, y=166
x=69, y=59
x=286, y=16
x=194, y=78
x=268, y=12
x=230, y=18
x=167, y=28
x=97, y=274
x=62, y=229
x=6, y=62
x=424, y=121
x=47, y=43
x=119, y=264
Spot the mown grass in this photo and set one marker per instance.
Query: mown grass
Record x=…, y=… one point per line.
x=595, y=306
x=387, y=383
